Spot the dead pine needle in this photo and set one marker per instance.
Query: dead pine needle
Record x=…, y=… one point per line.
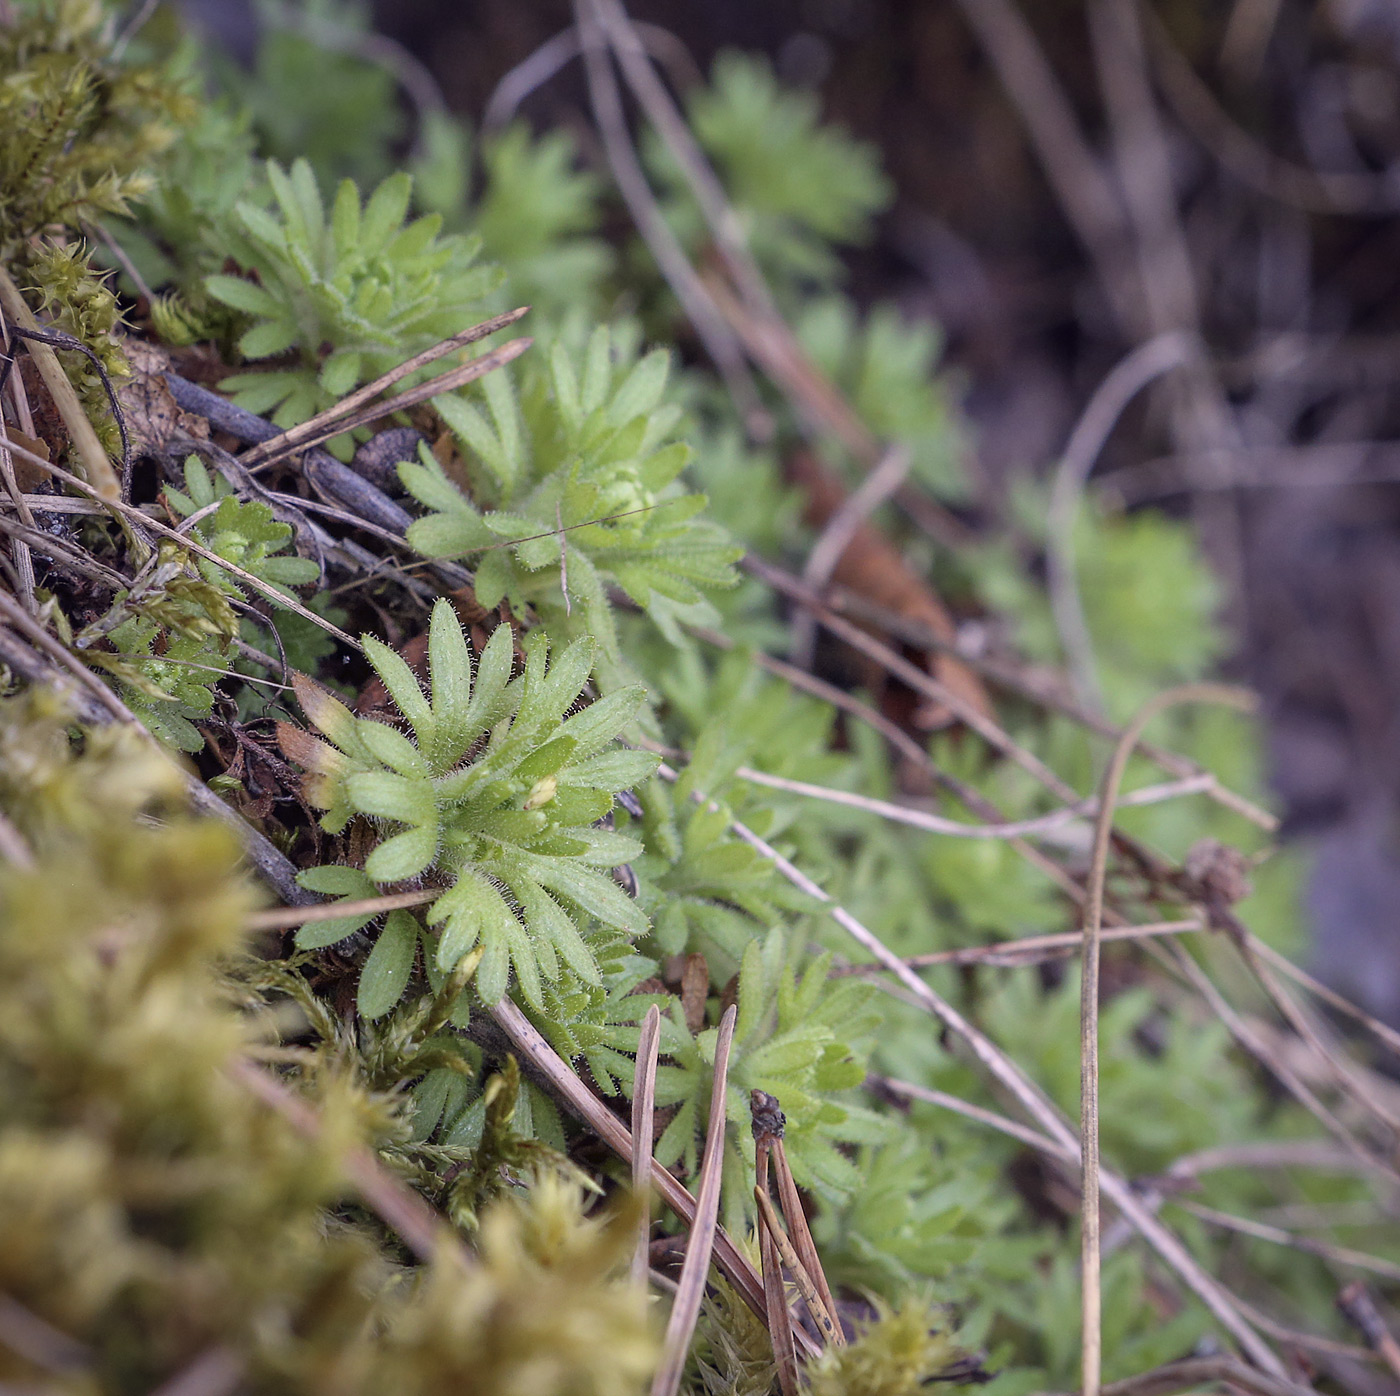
x=643, y=1113
x=768, y=1125
x=1092, y=1280
x=685, y=1312
x=825, y=1319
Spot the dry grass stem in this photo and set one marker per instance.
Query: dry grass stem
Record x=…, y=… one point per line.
x=721, y=344
x=1261, y=1231
x=1013, y=1128
x=1009, y=677
x=87, y=447
x=285, y=918
x=1092, y=1293
x=143, y=520
x=1031, y=950
x=276, y=447
x=643, y=1113
x=952, y=828
x=767, y=1126
x=685, y=1311
x=1128, y=377
x=802, y=1241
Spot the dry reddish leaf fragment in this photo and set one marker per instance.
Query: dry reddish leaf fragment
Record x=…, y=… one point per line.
x=872, y=567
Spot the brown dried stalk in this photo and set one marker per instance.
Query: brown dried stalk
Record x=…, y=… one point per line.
x=685, y=1311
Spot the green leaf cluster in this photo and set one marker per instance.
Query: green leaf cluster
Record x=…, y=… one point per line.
x=496, y=791
x=356, y=277
x=575, y=489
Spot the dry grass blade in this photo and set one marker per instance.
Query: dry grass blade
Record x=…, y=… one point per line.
x=643, y=1113
x=685, y=1311
x=534, y=1050
x=1092, y=1293
x=1196, y=1372
x=1013, y=680
x=294, y=437
x=1261, y=1231
x=284, y=918
x=1382, y=1031
x=1012, y=1128
x=912, y=675
x=952, y=828
x=277, y=447
x=720, y=341
x=825, y=1318
x=1031, y=950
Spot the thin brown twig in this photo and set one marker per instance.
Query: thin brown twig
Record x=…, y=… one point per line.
x=1072, y=168
x=1244, y=1033
x=1011, y=678
x=1014, y=1129
x=719, y=214
x=562, y=48
x=1383, y=1031
x=720, y=341
x=295, y=437
x=1248, y=159
x=1195, y=1372
x=1261, y=1231
x=127, y=511
x=831, y=543
x=685, y=1311
x=86, y=445
x=275, y=449
x=911, y=674
x=1141, y=366
x=1359, y=1309
x=643, y=1113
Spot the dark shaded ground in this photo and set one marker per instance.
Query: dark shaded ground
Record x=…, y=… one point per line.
x=1300, y=308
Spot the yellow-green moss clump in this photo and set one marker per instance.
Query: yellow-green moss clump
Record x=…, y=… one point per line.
x=155, y=1214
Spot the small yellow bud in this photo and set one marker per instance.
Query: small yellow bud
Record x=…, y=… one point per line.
x=541, y=792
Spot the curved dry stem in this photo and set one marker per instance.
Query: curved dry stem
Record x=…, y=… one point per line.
x=1092, y=1291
